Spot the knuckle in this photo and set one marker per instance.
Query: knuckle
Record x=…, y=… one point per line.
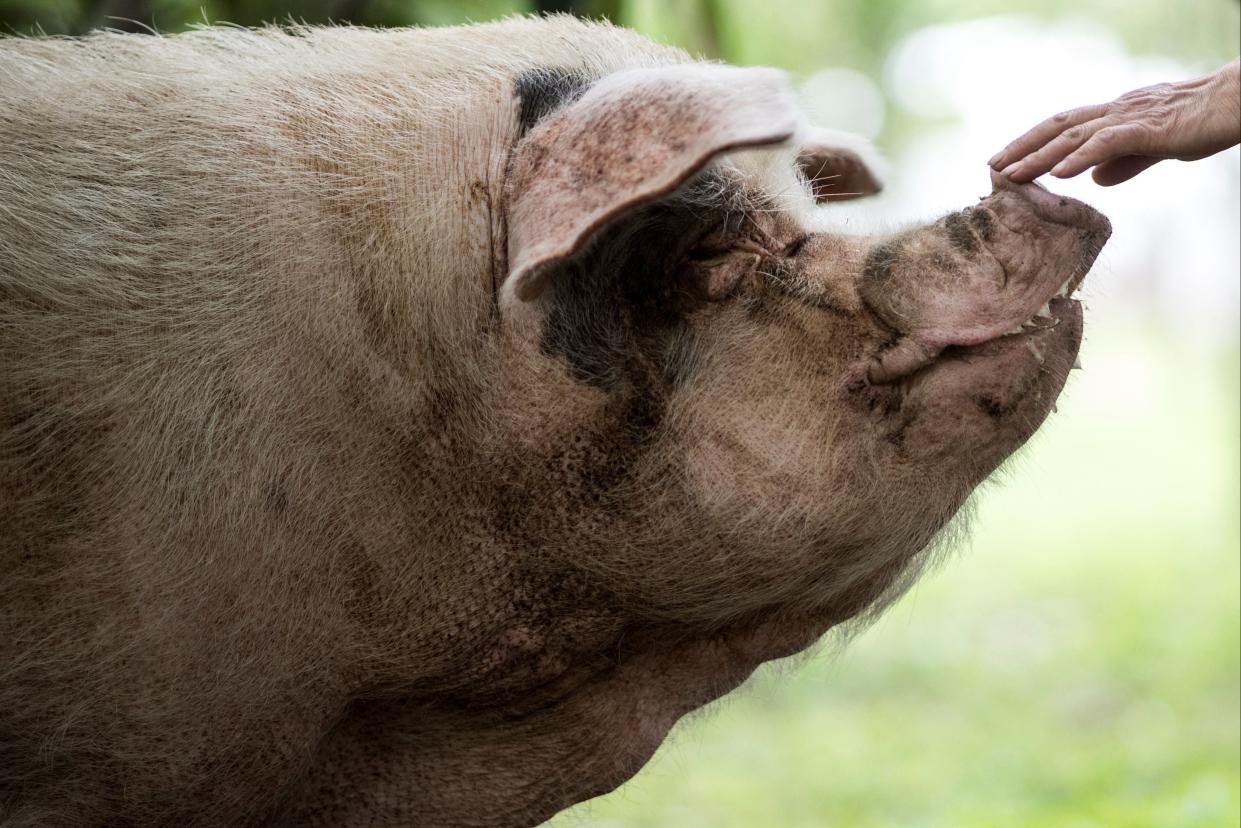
x=1147, y=96
x=1120, y=137
x=1074, y=134
x=1108, y=135
x=1157, y=117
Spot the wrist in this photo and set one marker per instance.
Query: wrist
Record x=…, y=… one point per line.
x=1226, y=83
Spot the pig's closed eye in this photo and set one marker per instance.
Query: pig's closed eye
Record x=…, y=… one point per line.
x=714, y=273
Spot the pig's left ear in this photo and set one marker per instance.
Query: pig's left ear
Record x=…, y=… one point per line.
x=838, y=165
x=633, y=137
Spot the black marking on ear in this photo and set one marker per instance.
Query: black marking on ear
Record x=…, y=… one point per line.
x=544, y=90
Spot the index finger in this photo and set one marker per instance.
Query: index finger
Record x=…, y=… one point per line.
x=1045, y=132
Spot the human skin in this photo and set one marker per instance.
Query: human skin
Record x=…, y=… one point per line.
x=1185, y=121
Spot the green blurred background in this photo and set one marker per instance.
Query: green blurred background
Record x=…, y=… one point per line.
x=1076, y=662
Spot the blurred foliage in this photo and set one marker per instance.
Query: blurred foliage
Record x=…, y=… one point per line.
x=795, y=34
x=80, y=16
x=798, y=35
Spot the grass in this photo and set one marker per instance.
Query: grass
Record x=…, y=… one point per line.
x=1076, y=666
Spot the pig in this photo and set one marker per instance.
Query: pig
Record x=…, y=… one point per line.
x=408, y=427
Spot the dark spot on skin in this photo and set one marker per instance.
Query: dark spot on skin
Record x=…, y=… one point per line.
x=991, y=406
x=641, y=415
x=544, y=90
x=880, y=260
x=960, y=235
x=984, y=223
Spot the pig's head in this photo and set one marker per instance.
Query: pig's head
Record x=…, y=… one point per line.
x=721, y=426
x=720, y=405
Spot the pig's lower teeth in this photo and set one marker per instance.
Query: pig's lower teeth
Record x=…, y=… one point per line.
x=1041, y=320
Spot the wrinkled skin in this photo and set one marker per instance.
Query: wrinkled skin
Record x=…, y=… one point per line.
x=365, y=522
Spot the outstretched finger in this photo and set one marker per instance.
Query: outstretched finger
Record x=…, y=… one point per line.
x=1121, y=169
x=1044, y=132
x=1106, y=144
x=1055, y=151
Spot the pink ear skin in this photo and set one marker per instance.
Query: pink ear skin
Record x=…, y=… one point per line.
x=633, y=138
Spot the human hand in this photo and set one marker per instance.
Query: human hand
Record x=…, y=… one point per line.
x=1186, y=120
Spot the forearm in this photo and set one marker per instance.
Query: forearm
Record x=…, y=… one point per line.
x=1226, y=83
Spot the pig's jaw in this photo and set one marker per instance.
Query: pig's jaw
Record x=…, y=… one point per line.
x=914, y=352
x=989, y=397
x=975, y=364
x=1018, y=372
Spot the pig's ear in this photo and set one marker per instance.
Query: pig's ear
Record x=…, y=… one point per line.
x=632, y=138
x=839, y=166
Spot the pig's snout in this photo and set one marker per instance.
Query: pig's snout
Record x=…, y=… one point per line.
x=1050, y=207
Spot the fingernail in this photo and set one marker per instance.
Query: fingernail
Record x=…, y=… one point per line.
x=1058, y=170
x=1010, y=169
x=995, y=158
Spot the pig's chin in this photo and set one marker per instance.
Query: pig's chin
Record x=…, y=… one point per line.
x=993, y=395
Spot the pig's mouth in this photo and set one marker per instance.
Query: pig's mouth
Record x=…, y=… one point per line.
x=1029, y=363
x=1010, y=382
x=1015, y=233
x=1003, y=368
x=913, y=354
x=975, y=344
